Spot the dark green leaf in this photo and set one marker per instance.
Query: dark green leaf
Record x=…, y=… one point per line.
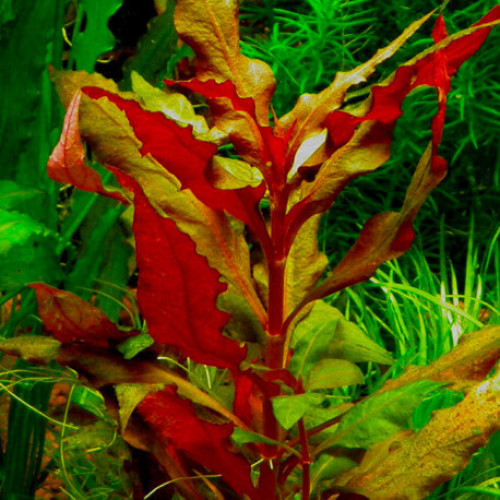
x=155, y=48
x=27, y=251
x=379, y=417
x=241, y=436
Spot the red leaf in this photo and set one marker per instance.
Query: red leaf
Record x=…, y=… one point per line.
x=272, y=149
x=213, y=90
x=69, y=318
x=177, y=289
x=433, y=68
x=179, y=152
x=175, y=421
x=66, y=163
x=439, y=32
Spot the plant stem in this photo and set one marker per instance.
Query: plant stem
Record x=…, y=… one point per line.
x=306, y=461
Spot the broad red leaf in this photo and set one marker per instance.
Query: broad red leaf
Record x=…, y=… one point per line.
x=177, y=290
x=69, y=318
x=176, y=149
x=175, y=421
x=67, y=161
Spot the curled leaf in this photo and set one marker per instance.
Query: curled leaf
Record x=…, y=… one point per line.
x=67, y=161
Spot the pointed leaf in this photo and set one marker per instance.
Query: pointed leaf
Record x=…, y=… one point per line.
x=310, y=340
x=210, y=28
x=325, y=333
x=385, y=236
x=470, y=361
x=333, y=373
x=177, y=290
x=134, y=345
x=174, y=420
x=357, y=152
x=71, y=319
x=436, y=453
x=379, y=416
x=308, y=148
x=311, y=110
x=129, y=396
x=305, y=265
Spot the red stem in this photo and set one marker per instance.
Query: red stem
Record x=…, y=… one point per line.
x=306, y=461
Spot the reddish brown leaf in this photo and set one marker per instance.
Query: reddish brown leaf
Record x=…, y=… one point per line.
x=350, y=147
x=469, y=362
x=69, y=318
x=175, y=421
x=385, y=236
x=67, y=161
x=177, y=290
x=210, y=28
x=311, y=110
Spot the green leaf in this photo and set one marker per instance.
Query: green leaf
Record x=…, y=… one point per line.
x=332, y=373
x=134, y=345
x=319, y=415
x=325, y=333
x=14, y=196
x=352, y=343
x=96, y=39
x=311, y=339
x=241, y=436
x=380, y=416
x=329, y=467
x=91, y=400
x=288, y=410
x=6, y=12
